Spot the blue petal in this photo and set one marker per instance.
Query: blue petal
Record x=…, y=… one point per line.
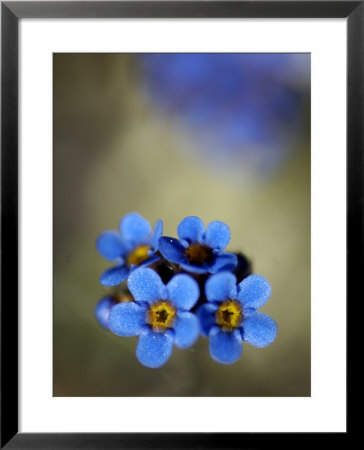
x=154, y=348
x=195, y=269
x=115, y=275
x=217, y=235
x=148, y=262
x=220, y=287
x=187, y=329
x=157, y=233
x=224, y=261
x=206, y=316
x=183, y=291
x=110, y=245
x=102, y=311
x=171, y=249
x=254, y=291
x=145, y=285
x=191, y=229
x=259, y=329
x=127, y=319
x=134, y=228
x=225, y=347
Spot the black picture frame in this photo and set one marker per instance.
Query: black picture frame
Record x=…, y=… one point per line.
x=11, y=12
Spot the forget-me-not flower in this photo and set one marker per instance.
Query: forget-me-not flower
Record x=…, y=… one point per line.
x=102, y=311
x=133, y=246
x=198, y=250
x=160, y=315
x=103, y=306
x=231, y=315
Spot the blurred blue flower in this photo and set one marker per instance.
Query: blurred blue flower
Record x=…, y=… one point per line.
x=160, y=315
x=102, y=311
x=103, y=306
x=133, y=246
x=198, y=250
x=243, y=108
x=231, y=315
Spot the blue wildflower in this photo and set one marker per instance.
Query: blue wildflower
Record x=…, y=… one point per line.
x=231, y=315
x=102, y=311
x=103, y=307
x=133, y=246
x=160, y=315
x=198, y=250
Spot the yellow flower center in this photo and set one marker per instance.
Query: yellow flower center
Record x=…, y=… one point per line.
x=197, y=254
x=229, y=315
x=161, y=315
x=138, y=255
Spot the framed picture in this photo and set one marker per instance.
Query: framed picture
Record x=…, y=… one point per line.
x=181, y=200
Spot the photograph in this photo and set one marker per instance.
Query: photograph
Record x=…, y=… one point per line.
x=181, y=225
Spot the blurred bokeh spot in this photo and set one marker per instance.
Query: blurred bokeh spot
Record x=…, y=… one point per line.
x=244, y=114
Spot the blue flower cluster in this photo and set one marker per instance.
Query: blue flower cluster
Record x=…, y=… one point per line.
x=171, y=291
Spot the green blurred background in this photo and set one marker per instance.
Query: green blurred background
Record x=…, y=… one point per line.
x=115, y=153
